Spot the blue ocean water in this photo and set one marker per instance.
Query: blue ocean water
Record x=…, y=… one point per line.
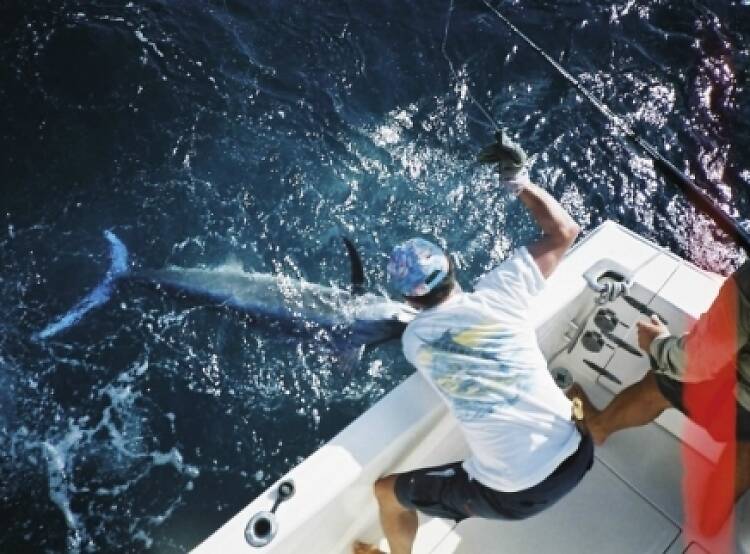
x=257, y=132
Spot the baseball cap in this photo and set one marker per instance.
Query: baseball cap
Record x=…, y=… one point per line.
x=417, y=266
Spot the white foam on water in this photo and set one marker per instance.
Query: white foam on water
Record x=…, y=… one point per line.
x=116, y=441
x=174, y=458
x=59, y=465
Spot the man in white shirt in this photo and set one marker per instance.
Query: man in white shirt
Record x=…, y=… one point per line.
x=479, y=351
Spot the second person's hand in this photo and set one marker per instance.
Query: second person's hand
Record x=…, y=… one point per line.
x=648, y=330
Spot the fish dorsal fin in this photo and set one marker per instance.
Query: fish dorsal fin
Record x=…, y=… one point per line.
x=358, y=272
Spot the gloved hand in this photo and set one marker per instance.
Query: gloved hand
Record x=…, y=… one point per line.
x=510, y=159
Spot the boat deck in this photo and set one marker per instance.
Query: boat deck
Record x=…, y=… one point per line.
x=630, y=502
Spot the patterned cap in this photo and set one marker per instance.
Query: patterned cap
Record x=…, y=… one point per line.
x=416, y=267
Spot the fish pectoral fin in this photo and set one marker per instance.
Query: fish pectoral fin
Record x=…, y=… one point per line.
x=349, y=358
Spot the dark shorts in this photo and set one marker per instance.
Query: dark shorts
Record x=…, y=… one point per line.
x=448, y=492
x=673, y=391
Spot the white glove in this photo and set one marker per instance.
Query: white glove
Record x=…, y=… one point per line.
x=511, y=162
x=517, y=183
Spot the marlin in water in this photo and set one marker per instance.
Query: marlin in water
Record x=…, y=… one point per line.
x=353, y=318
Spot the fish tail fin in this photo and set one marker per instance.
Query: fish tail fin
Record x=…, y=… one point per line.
x=118, y=267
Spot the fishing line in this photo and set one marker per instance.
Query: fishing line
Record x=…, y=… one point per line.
x=444, y=50
x=699, y=198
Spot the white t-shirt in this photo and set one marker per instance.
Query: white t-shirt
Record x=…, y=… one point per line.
x=479, y=350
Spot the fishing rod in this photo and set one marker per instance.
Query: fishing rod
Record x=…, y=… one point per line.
x=699, y=198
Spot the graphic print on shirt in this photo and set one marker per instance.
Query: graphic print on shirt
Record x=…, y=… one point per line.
x=475, y=368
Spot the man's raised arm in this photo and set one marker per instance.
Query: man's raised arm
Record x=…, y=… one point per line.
x=560, y=231
x=559, y=228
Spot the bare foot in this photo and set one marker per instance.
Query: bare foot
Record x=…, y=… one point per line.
x=364, y=548
x=590, y=413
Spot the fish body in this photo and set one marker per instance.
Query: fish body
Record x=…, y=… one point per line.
x=295, y=304
x=292, y=304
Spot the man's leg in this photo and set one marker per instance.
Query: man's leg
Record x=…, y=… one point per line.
x=742, y=479
x=641, y=403
x=399, y=524
x=636, y=405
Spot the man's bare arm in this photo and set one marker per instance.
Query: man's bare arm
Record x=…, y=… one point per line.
x=560, y=230
x=558, y=227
